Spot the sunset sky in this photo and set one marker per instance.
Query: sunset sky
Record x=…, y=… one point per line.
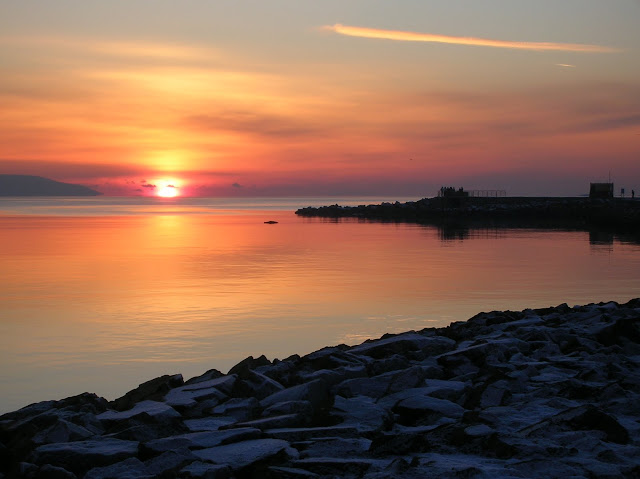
x=335, y=97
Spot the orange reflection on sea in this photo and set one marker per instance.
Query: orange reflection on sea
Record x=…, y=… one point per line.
x=102, y=303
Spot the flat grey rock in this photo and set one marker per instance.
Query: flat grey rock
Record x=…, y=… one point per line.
x=337, y=447
x=205, y=470
x=154, y=409
x=242, y=409
x=189, y=395
x=363, y=413
x=209, y=423
x=52, y=472
x=131, y=468
x=288, y=407
x=291, y=473
x=240, y=455
x=337, y=465
x=169, y=462
x=479, y=430
x=272, y=422
x=315, y=392
x=78, y=455
x=305, y=433
x=201, y=440
x=62, y=431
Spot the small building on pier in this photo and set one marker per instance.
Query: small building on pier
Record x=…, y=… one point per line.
x=451, y=192
x=452, y=198
x=601, y=190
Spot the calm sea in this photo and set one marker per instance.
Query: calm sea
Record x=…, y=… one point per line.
x=101, y=294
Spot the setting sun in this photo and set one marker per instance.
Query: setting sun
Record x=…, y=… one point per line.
x=168, y=191
x=167, y=188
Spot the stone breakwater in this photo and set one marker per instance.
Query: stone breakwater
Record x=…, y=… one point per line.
x=617, y=214
x=549, y=392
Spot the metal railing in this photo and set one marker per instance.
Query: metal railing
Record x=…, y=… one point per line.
x=488, y=193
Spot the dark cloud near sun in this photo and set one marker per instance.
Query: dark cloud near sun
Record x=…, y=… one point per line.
x=148, y=185
x=64, y=169
x=237, y=185
x=613, y=123
x=254, y=124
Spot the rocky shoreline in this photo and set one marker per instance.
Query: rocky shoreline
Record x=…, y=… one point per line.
x=617, y=214
x=549, y=392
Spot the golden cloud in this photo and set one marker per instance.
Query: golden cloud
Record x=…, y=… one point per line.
x=112, y=48
x=404, y=36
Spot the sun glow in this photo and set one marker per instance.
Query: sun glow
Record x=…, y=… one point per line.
x=168, y=191
x=167, y=188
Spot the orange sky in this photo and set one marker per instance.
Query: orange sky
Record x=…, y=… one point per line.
x=291, y=99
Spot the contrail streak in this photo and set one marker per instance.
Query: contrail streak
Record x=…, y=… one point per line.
x=400, y=35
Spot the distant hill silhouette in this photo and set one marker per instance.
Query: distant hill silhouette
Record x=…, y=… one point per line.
x=28, y=185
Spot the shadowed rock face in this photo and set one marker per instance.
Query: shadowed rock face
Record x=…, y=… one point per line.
x=27, y=185
x=539, y=393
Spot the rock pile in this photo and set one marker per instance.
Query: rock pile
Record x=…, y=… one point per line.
x=540, y=393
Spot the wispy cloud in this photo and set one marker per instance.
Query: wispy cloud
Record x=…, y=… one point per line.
x=405, y=36
x=565, y=65
x=118, y=49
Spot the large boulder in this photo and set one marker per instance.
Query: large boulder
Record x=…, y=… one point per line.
x=425, y=410
x=249, y=364
x=153, y=390
x=80, y=456
x=207, y=376
x=242, y=409
x=414, y=344
x=254, y=384
x=363, y=413
x=581, y=418
x=382, y=385
x=315, y=392
x=624, y=331
x=332, y=358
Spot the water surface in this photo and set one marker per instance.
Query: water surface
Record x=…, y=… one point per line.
x=101, y=294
